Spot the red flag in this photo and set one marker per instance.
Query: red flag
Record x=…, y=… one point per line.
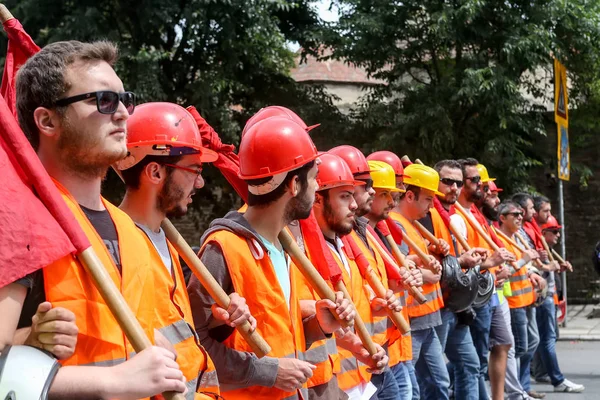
x=445, y=214
x=393, y=230
x=20, y=48
x=391, y=270
x=320, y=254
x=484, y=224
x=229, y=165
x=34, y=230
x=353, y=252
x=534, y=232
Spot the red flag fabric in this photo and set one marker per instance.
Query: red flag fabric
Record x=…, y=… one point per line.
x=20, y=48
x=34, y=230
x=352, y=249
x=228, y=162
x=392, y=271
x=320, y=254
x=484, y=223
x=229, y=165
x=445, y=214
x=534, y=232
x=393, y=229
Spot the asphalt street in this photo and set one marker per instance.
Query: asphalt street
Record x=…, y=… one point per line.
x=580, y=363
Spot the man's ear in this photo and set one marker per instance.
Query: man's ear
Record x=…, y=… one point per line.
x=154, y=173
x=47, y=121
x=318, y=199
x=294, y=185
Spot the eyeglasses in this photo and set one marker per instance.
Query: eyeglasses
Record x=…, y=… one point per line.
x=197, y=171
x=553, y=231
x=368, y=183
x=107, y=102
x=474, y=179
x=450, y=182
x=515, y=214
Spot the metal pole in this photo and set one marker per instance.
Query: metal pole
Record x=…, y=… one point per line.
x=563, y=240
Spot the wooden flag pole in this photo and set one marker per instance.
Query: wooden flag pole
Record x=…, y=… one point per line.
x=359, y=324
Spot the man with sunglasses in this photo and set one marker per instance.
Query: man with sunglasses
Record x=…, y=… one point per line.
x=162, y=172
x=72, y=106
x=489, y=330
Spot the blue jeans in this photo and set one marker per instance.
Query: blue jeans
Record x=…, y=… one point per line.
x=403, y=379
x=524, y=327
x=480, y=332
x=387, y=388
x=429, y=365
x=546, y=317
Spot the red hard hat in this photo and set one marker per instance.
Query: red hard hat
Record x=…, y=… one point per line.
x=493, y=187
x=334, y=172
x=389, y=158
x=552, y=223
x=163, y=129
x=354, y=158
x=274, y=146
x=276, y=111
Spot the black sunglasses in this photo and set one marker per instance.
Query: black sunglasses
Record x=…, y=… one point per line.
x=450, y=182
x=368, y=183
x=514, y=214
x=107, y=101
x=474, y=179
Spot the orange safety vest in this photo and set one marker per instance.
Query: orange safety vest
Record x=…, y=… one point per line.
x=322, y=353
x=383, y=330
x=174, y=316
x=101, y=341
x=253, y=277
x=440, y=230
x=353, y=372
x=522, y=290
x=473, y=238
x=431, y=291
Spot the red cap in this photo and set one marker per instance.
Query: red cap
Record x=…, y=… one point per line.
x=334, y=172
x=493, y=187
x=354, y=158
x=389, y=158
x=552, y=223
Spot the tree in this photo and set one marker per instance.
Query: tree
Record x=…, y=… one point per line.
x=464, y=77
x=229, y=58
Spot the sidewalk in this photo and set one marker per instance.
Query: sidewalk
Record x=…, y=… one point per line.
x=579, y=327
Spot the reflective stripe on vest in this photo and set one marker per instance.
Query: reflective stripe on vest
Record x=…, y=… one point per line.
x=253, y=277
x=174, y=316
x=431, y=291
x=67, y=284
x=522, y=290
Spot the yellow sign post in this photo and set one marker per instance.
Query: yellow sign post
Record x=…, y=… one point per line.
x=561, y=117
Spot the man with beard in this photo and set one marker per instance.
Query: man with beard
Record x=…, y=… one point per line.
x=395, y=382
x=162, y=172
x=421, y=183
x=73, y=109
x=278, y=160
x=524, y=320
x=491, y=201
x=490, y=329
x=334, y=210
x=454, y=336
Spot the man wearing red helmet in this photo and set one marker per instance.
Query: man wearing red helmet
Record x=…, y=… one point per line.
x=73, y=108
x=278, y=160
x=162, y=171
x=395, y=383
x=334, y=209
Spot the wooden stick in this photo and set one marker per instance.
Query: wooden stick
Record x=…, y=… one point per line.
x=380, y=291
x=359, y=324
x=459, y=238
x=118, y=306
x=426, y=234
x=309, y=271
x=538, y=262
x=5, y=15
x=413, y=246
x=259, y=346
x=401, y=260
x=558, y=257
x=547, y=248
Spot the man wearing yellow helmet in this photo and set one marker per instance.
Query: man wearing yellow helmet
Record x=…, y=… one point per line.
x=421, y=184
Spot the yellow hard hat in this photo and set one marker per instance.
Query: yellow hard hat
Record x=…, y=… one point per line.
x=483, y=172
x=422, y=176
x=383, y=176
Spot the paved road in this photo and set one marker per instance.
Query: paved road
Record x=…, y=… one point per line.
x=580, y=363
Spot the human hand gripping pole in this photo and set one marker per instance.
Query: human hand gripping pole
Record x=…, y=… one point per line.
x=537, y=261
x=392, y=237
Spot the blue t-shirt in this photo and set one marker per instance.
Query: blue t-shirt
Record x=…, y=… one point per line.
x=281, y=266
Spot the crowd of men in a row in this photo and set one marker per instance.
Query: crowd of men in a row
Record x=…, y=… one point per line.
x=469, y=271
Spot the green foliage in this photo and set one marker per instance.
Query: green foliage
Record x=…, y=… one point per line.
x=464, y=77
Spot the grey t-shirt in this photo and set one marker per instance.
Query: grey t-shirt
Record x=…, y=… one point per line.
x=159, y=240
